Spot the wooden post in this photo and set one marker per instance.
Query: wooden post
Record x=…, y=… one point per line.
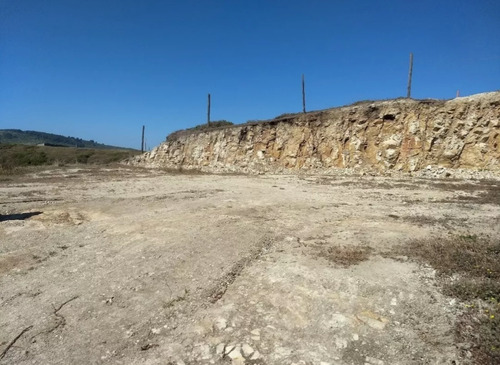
x=208, y=111
x=408, y=94
x=142, y=142
x=303, y=95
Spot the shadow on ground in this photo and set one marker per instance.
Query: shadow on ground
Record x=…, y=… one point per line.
x=18, y=216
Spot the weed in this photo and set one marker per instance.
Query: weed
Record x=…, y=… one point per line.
x=482, y=192
x=182, y=171
x=467, y=255
x=426, y=220
x=468, y=267
x=345, y=255
x=175, y=300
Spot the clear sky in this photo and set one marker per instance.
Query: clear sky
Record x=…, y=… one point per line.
x=100, y=69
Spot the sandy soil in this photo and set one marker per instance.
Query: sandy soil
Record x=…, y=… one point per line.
x=132, y=266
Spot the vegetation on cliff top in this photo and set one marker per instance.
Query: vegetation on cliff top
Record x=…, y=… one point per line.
x=200, y=128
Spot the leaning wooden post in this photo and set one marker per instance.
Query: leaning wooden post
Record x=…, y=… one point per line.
x=142, y=142
x=303, y=95
x=208, y=111
x=408, y=94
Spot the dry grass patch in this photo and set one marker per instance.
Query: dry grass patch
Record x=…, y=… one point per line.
x=425, y=220
x=468, y=268
x=346, y=256
x=482, y=192
x=182, y=171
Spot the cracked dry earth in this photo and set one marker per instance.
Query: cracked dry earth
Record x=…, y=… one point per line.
x=132, y=266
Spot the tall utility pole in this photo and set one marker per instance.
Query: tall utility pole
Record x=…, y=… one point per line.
x=142, y=142
x=408, y=94
x=208, y=111
x=303, y=95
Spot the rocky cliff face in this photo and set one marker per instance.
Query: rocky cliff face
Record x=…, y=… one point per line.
x=398, y=134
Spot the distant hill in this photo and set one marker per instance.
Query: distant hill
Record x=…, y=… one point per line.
x=17, y=136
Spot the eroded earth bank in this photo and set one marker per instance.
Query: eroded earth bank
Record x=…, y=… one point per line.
x=136, y=266
x=393, y=135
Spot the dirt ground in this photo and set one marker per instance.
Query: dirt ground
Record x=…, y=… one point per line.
x=132, y=266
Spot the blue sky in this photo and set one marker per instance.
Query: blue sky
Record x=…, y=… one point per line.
x=101, y=69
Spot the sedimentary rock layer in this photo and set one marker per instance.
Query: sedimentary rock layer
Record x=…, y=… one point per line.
x=401, y=134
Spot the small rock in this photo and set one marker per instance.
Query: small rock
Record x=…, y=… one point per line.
x=228, y=349
x=282, y=352
x=204, y=351
x=355, y=337
x=338, y=321
x=374, y=321
x=247, y=350
x=220, y=324
x=155, y=331
x=373, y=361
x=255, y=356
x=219, y=350
x=235, y=354
x=341, y=343
x=148, y=346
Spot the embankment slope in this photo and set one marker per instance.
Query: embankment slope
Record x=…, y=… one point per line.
x=402, y=134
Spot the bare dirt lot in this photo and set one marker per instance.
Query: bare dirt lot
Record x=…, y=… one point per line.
x=133, y=266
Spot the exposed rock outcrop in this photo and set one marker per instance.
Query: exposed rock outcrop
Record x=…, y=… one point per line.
x=401, y=134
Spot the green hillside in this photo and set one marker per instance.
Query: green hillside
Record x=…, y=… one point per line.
x=13, y=156
x=17, y=136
